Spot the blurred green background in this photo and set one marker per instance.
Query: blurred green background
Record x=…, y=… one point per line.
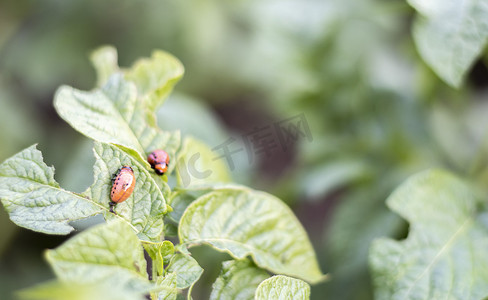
x=376, y=112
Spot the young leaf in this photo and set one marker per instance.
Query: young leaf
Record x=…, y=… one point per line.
x=34, y=199
x=186, y=268
x=450, y=35
x=444, y=256
x=144, y=209
x=109, y=253
x=104, y=59
x=237, y=280
x=244, y=222
x=114, y=115
x=282, y=288
x=158, y=253
x=199, y=165
x=155, y=77
x=167, y=287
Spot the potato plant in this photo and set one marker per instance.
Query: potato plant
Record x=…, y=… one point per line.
x=380, y=110
x=142, y=251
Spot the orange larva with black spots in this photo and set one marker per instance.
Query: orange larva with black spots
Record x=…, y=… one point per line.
x=123, y=185
x=159, y=161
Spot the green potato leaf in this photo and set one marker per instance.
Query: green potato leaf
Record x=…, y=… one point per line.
x=450, y=35
x=34, y=200
x=159, y=253
x=282, y=288
x=114, y=114
x=167, y=287
x=243, y=222
x=145, y=208
x=444, y=255
x=186, y=268
x=155, y=77
x=237, y=280
x=104, y=60
x=109, y=253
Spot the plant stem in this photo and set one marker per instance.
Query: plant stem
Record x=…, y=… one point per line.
x=188, y=296
x=149, y=265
